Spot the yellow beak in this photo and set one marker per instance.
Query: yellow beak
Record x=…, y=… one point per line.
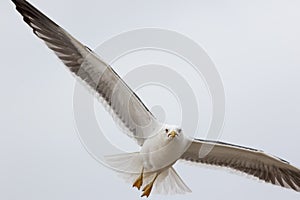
x=172, y=134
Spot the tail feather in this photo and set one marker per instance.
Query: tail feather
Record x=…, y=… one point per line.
x=129, y=167
x=169, y=182
x=129, y=163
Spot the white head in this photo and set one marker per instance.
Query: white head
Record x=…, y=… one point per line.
x=171, y=132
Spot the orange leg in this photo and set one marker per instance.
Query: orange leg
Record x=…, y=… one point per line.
x=147, y=189
x=139, y=181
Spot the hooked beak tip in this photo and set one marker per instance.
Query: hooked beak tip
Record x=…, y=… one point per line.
x=172, y=134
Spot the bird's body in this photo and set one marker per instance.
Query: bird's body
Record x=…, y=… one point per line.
x=162, y=150
x=156, y=158
x=161, y=145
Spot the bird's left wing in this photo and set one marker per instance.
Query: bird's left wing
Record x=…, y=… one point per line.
x=253, y=162
x=132, y=114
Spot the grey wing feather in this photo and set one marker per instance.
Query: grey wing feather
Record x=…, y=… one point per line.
x=250, y=161
x=93, y=72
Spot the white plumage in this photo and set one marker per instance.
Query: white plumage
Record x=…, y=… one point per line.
x=161, y=145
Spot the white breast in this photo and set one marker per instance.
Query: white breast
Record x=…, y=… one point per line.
x=160, y=151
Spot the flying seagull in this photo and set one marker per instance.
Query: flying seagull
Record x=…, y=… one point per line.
x=161, y=144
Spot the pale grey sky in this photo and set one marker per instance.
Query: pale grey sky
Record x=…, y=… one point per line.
x=254, y=45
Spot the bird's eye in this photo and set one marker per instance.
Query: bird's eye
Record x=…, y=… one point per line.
x=179, y=130
x=167, y=130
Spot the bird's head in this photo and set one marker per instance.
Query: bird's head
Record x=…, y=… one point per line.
x=172, y=132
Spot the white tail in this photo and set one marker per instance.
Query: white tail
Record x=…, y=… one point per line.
x=129, y=167
x=169, y=182
x=129, y=163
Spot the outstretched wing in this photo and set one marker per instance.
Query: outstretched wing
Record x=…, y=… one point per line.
x=94, y=72
x=254, y=162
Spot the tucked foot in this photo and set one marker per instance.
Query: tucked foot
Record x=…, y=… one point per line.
x=147, y=190
x=138, y=182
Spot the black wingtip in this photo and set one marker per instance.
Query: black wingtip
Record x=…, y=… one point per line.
x=18, y=2
x=29, y=12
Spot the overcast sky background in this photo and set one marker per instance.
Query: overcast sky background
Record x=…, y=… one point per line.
x=255, y=47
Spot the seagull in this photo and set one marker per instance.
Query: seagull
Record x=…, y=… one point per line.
x=162, y=145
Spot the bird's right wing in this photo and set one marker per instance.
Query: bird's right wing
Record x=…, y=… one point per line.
x=93, y=72
x=253, y=162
